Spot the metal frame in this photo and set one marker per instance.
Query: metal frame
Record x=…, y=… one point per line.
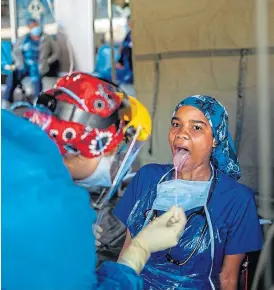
x=200, y=53
x=13, y=20
x=264, y=117
x=110, y=17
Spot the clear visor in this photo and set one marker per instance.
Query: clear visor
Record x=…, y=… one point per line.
x=118, y=163
x=121, y=167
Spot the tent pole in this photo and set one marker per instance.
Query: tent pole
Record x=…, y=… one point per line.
x=264, y=116
x=13, y=20
x=110, y=17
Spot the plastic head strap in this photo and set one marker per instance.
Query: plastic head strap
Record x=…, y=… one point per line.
x=74, y=97
x=39, y=107
x=19, y=108
x=20, y=105
x=72, y=113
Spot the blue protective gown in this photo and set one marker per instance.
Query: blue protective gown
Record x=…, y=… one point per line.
x=47, y=240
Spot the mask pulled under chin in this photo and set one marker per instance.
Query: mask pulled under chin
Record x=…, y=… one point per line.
x=101, y=177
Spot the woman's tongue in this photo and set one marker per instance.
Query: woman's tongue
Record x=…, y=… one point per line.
x=180, y=158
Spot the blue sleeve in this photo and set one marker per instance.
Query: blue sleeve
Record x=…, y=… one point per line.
x=118, y=277
x=245, y=234
x=47, y=239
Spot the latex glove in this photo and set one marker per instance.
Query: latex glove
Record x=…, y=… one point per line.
x=10, y=67
x=162, y=233
x=97, y=231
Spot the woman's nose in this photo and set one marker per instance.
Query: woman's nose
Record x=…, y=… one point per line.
x=182, y=134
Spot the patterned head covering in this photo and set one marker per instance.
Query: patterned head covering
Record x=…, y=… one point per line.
x=224, y=155
x=83, y=97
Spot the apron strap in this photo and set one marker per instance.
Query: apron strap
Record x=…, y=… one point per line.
x=165, y=175
x=212, y=245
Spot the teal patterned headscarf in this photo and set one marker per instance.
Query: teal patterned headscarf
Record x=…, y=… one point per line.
x=224, y=156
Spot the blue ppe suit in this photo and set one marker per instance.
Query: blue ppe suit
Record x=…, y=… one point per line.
x=47, y=239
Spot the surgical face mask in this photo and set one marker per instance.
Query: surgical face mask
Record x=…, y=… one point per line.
x=36, y=31
x=187, y=194
x=184, y=193
x=101, y=177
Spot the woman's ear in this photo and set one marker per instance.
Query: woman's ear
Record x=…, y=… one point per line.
x=214, y=143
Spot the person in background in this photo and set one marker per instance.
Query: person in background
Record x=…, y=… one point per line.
x=125, y=59
x=35, y=55
x=124, y=67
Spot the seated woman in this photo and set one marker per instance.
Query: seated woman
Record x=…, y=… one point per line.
x=222, y=221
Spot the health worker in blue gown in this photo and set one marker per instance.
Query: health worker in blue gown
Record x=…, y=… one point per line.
x=46, y=217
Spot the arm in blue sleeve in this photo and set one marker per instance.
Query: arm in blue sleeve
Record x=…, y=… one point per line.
x=47, y=239
x=114, y=276
x=245, y=234
x=52, y=247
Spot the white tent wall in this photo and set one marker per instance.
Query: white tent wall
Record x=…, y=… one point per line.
x=199, y=27
x=192, y=25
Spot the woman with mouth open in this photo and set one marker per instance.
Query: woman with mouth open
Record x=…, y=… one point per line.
x=222, y=224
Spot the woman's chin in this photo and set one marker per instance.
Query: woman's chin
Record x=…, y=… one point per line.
x=184, y=169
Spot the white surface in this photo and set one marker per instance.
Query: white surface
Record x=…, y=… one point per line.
x=76, y=19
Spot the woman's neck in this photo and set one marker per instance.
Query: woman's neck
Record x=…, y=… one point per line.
x=201, y=173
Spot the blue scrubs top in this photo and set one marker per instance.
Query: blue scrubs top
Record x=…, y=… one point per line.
x=235, y=222
x=47, y=239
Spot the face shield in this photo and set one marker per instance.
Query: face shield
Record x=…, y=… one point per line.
x=117, y=163
x=136, y=127
x=136, y=132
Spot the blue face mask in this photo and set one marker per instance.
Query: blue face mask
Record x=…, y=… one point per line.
x=36, y=31
x=100, y=177
x=187, y=194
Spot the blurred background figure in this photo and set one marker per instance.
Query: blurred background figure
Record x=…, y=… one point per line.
x=126, y=50
x=123, y=61
x=35, y=55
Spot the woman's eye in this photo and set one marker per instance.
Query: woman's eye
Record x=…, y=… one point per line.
x=197, y=128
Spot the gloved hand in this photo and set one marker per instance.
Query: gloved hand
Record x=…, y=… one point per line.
x=97, y=231
x=162, y=233
x=10, y=67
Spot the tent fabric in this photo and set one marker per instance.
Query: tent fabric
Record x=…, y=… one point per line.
x=199, y=29
x=195, y=25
